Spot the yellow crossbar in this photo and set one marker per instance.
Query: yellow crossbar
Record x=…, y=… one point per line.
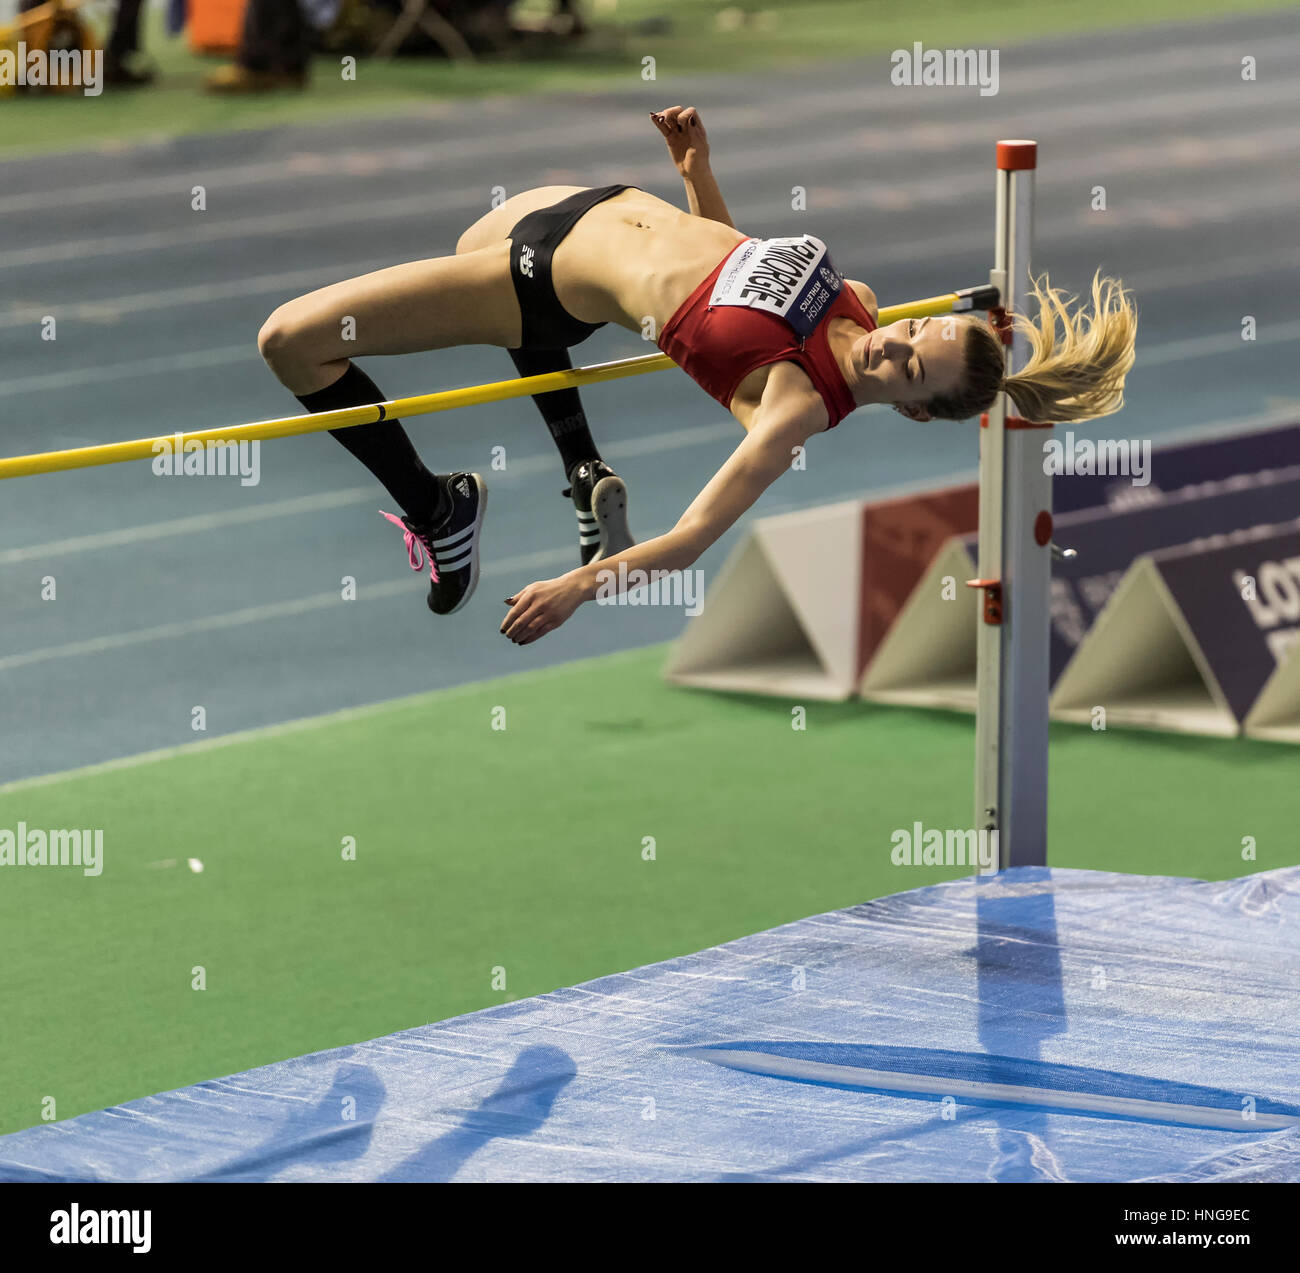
x=424, y=404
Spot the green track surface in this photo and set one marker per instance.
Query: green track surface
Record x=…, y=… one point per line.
x=685, y=37
x=521, y=848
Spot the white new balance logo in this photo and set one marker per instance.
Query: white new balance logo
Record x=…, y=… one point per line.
x=526, y=262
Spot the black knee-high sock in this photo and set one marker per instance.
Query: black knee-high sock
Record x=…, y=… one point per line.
x=561, y=409
x=383, y=447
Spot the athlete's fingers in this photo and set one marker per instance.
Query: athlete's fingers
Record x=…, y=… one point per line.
x=540, y=627
x=528, y=630
x=518, y=606
x=514, y=622
x=541, y=619
x=532, y=618
x=515, y=627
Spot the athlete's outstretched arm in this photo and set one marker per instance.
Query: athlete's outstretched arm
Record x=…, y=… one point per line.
x=767, y=452
x=688, y=144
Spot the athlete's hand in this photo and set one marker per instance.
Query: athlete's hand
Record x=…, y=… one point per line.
x=683, y=130
x=540, y=608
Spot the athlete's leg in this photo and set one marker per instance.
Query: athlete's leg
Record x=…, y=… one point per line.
x=562, y=410
x=548, y=331
x=434, y=304
x=599, y=495
x=431, y=304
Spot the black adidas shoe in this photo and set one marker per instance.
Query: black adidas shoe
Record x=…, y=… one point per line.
x=600, y=498
x=452, y=545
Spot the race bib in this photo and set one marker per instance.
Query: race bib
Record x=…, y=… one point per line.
x=791, y=278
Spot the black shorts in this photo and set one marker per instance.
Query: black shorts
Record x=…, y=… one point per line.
x=546, y=323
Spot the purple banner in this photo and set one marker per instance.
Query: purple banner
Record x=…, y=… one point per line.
x=1224, y=460
x=1242, y=602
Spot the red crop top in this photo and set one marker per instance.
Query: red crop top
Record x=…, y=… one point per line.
x=767, y=300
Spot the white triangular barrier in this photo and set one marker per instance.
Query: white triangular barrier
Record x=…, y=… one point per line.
x=1276, y=714
x=927, y=658
x=1142, y=664
x=782, y=616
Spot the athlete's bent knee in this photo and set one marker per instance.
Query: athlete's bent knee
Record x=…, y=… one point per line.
x=274, y=337
x=280, y=342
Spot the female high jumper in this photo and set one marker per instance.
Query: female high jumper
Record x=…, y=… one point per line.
x=548, y=267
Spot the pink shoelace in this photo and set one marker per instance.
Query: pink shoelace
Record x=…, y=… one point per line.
x=416, y=546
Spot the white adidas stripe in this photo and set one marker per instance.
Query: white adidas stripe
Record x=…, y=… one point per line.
x=458, y=564
x=452, y=540
x=588, y=529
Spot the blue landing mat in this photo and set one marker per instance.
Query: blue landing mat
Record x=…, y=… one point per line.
x=1063, y=1025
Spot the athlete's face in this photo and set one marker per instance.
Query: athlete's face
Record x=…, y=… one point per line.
x=912, y=361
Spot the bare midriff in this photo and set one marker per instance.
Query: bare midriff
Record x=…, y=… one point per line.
x=633, y=260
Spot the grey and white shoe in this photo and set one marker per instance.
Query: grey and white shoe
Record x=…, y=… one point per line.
x=600, y=499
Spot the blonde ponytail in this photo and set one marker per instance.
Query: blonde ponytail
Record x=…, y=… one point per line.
x=1080, y=357
x=1077, y=364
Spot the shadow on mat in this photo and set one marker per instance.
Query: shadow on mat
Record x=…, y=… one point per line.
x=519, y=1106
x=315, y=1133
x=1021, y=1005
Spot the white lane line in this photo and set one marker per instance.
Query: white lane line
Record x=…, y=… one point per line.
x=1197, y=209
x=1171, y=277
x=131, y=369
x=192, y=627
x=307, y=164
x=263, y=613
x=1162, y=156
x=205, y=229
x=22, y=314
x=205, y=523
x=199, y=524
x=1174, y=216
x=1210, y=346
x=302, y=165
x=1184, y=107
x=305, y=724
